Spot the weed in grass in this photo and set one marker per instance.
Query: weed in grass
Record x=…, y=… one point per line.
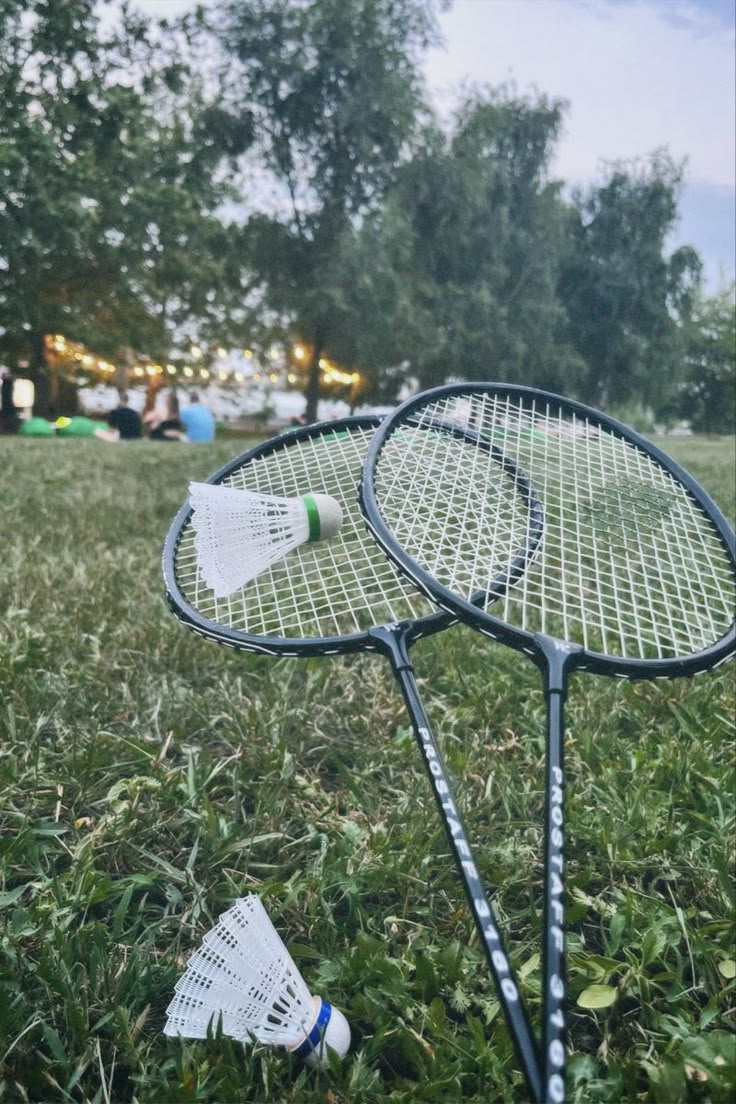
x=148, y=778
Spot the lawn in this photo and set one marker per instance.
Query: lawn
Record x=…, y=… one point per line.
x=147, y=778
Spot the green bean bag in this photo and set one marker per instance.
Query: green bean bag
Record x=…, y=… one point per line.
x=78, y=427
x=36, y=427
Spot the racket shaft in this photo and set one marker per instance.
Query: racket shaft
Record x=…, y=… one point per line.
x=485, y=920
x=553, y=1038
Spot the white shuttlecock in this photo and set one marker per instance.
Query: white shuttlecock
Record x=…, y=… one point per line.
x=238, y=534
x=243, y=973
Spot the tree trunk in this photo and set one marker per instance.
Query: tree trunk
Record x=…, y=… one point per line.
x=354, y=395
x=312, y=391
x=9, y=419
x=43, y=403
x=6, y=397
x=125, y=358
x=65, y=395
x=152, y=390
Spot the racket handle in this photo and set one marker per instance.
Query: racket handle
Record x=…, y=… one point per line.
x=559, y=658
x=556, y=659
x=393, y=643
x=554, y=1025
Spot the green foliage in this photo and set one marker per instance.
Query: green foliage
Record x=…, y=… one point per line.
x=622, y=294
x=709, y=391
x=148, y=778
x=376, y=325
x=373, y=235
x=334, y=89
x=487, y=228
x=110, y=155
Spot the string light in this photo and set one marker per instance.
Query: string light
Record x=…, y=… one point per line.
x=62, y=351
x=332, y=374
x=59, y=349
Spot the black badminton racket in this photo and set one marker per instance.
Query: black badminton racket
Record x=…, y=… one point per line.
x=344, y=595
x=634, y=575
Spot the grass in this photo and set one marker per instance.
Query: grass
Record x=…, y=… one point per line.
x=148, y=778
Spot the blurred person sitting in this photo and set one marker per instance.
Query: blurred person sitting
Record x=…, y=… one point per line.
x=124, y=422
x=198, y=421
x=166, y=424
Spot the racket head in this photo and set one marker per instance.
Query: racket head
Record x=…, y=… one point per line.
x=636, y=571
x=321, y=599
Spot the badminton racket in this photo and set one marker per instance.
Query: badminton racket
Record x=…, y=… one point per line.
x=344, y=595
x=633, y=576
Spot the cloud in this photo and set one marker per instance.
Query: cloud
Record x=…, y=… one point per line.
x=633, y=80
x=701, y=17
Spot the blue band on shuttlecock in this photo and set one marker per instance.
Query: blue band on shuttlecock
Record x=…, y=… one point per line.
x=314, y=1037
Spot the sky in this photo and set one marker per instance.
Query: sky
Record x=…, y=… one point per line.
x=638, y=75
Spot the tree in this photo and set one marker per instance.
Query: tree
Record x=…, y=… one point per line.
x=708, y=397
x=335, y=91
x=109, y=183
x=487, y=228
x=623, y=294
x=375, y=327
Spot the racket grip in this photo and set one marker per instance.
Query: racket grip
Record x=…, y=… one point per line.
x=557, y=659
x=554, y=1029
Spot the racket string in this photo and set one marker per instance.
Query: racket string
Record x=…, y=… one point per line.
x=335, y=587
x=629, y=563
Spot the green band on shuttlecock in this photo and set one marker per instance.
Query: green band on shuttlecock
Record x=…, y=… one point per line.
x=315, y=527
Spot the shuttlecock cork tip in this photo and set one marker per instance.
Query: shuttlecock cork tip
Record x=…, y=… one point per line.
x=324, y=514
x=329, y=1029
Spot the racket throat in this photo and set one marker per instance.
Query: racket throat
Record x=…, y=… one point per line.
x=394, y=640
x=556, y=659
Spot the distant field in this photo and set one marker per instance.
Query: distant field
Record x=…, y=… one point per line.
x=147, y=778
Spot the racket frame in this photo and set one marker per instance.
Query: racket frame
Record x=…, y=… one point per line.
x=535, y=644
x=556, y=659
x=393, y=640
x=339, y=644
